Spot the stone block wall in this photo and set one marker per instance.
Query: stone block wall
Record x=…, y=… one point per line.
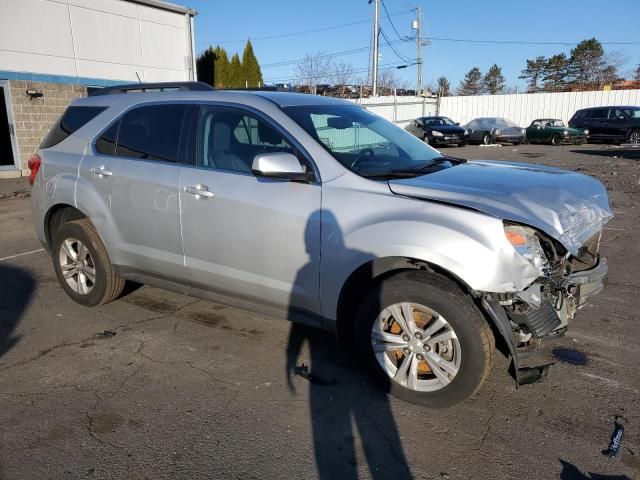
x=32, y=118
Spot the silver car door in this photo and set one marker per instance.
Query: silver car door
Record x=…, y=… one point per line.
x=255, y=239
x=131, y=189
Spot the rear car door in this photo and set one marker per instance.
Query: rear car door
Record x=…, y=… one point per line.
x=130, y=180
x=596, y=122
x=252, y=239
x=618, y=124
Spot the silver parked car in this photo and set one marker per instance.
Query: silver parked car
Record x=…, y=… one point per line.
x=316, y=210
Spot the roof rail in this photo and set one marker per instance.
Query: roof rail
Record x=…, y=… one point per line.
x=144, y=87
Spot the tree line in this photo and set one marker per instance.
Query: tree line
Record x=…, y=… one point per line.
x=215, y=68
x=587, y=67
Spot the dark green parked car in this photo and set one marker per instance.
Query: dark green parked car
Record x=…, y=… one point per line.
x=555, y=132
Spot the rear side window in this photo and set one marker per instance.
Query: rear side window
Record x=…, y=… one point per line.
x=70, y=121
x=151, y=132
x=599, y=113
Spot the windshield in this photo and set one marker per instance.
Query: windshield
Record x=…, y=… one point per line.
x=363, y=142
x=490, y=122
x=438, y=121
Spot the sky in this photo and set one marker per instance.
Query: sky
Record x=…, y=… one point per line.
x=230, y=22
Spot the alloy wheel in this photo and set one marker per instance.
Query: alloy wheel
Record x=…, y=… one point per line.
x=416, y=347
x=634, y=137
x=77, y=266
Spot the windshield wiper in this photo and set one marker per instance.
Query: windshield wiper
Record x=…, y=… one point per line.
x=440, y=160
x=414, y=171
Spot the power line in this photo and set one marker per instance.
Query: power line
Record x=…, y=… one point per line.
x=387, y=66
x=302, y=32
x=327, y=55
x=400, y=56
x=520, y=42
x=390, y=21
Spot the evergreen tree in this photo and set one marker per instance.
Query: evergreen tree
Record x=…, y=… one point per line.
x=636, y=75
x=556, y=73
x=221, y=68
x=586, y=64
x=205, y=66
x=472, y=83
x=444, y=86
x=494, y=80
x=235, y=78
x=534, y=73
x=251, y=72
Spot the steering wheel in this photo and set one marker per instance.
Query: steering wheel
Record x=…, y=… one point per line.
x=364, y=154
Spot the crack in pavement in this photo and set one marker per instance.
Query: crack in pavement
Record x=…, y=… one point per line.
x=47, y=351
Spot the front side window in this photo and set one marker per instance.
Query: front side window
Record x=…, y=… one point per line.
x=361, y=141
x=151, y=132
x=229, y=139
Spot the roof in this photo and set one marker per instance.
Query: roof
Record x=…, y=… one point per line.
x=171, y=7
x=281, y=99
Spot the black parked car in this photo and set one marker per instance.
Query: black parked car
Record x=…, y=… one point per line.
x=488, y=130
x=613, y=124
x=438, y=131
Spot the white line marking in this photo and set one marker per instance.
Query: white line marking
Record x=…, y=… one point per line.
x=21, y=254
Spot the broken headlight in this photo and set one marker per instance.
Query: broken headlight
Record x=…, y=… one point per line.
x=525, y=241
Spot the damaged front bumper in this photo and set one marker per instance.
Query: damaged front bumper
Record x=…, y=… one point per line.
x=544, y=309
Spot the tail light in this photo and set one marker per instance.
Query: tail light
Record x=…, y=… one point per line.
x=34, y=165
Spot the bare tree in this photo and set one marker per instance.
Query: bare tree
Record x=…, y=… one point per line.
x=387, y=81
x=313, y=70
x=343, y=75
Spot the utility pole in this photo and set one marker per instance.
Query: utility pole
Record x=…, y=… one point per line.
x=376, y=33
x=419, y=40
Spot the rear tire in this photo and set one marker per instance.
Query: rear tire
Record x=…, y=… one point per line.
x=82, y=265
x=439, y=309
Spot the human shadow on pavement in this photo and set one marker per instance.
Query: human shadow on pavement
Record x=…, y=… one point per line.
x=16, y=289
x=347, y=411
x=571, y=472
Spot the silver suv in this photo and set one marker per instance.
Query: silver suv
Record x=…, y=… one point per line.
x=318, y=211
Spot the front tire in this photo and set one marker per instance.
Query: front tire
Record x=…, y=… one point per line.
x=424, y=339
x=82, y=265
x=556, y=141
x=486, y=139
x=634, y=136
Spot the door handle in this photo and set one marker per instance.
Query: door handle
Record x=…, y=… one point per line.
x=102, y=171
x=199, y=191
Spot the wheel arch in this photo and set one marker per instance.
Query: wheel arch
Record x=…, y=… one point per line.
x=363, y=278
x=58, y=215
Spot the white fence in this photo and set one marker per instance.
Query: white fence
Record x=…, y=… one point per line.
x=526, y=107
x=400, y=110
x=522, y=108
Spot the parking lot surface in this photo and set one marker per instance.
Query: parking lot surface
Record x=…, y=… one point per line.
x=159, y=385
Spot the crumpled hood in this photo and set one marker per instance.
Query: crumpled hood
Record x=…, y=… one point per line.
x=567, y=206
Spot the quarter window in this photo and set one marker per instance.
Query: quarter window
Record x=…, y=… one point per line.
x=72, y=119
x=229, y=139
x=151, y=132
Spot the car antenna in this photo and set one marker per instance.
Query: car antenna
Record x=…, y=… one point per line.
x=140, y=81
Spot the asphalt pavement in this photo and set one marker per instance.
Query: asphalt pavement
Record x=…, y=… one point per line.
x=159, y=385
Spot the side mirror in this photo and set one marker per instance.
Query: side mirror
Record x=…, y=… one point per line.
x=282, y=165
x=457, y=123
x=538, y=127
x=339, y=123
